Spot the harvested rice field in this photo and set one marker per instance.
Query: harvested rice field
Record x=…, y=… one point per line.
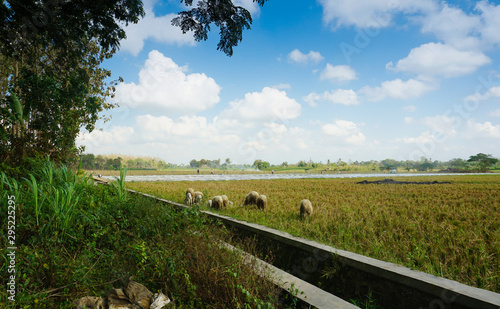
x=450, y=229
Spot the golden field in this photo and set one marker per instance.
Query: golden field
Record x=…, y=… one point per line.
x=449, y=230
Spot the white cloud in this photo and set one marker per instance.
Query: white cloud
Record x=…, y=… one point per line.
x=490, y=21
x=410, y=108
x=298, y=57
x=282, y=86
x=163, y=86
x=437, y=59
x=486, y=130
x=267, y=105
x=297, y=138
x=356, y=138
x=409, y=120
x=176, y=140
x=495, y=113
x=339, y=96
x=158, y=28
x=439, y=129
x=453, y=26
x=369, y=13
x=277, y=129
x=448, y=22
x=346, y=129
x=445, y=135
x=476, y=30
x=493, y=92
x=270, y=136
x=103, y=141
x=157, y=128
x=339, y=128
x=187, y=133
x=301, y=144
x=273, y=140
x=441, y=124
x=396, y=89
x=426, y=138
x=338, y=73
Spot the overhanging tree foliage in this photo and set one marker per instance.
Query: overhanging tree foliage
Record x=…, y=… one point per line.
x=230, y=19
x=63, y=24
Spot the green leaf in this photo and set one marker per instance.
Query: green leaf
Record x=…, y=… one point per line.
x=16, y=106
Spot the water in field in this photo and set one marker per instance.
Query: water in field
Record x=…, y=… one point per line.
x=269, y=176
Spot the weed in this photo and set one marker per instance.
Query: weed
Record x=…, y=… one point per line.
x=35, y=189
x=368, y=303
x=119, y=185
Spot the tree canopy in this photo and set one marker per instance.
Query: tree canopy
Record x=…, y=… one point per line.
x=261, y=165
x=230, y=19
x=483, y=160
x=63, y=24
x=52, y=82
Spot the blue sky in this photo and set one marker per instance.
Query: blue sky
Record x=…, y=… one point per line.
x=320, y=80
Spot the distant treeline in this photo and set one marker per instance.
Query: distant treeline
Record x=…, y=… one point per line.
x=479, y=162
x=111, y=162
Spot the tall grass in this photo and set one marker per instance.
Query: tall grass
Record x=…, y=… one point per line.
x=76, y=239
x=47, y=171
x=119, y=184
x=49, y=193
x=35, y=189
x=9, y=186
x=62, y=201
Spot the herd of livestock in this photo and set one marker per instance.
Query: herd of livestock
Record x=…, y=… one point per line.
x=251, y=199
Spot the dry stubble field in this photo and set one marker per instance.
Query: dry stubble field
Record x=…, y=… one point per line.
x=449, y=230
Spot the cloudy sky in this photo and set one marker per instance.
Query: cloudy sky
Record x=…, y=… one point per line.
x=320, y=80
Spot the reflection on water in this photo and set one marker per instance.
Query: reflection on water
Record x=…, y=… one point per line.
x=270, y=176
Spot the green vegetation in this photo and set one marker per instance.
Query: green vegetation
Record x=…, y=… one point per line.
x=52, y=83
x=477, y=163
x=75, y=239
x=119, y=185
x=483, y=161
x=449, y=230
x=115, y=162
